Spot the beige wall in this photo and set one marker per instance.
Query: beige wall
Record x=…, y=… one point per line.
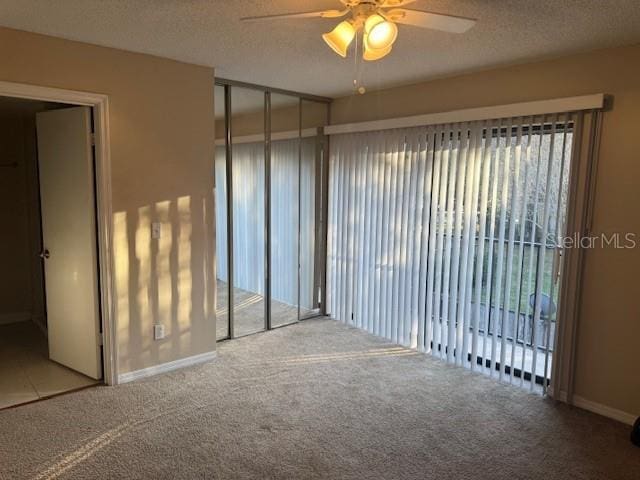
x=607, y=371
x=161, y=120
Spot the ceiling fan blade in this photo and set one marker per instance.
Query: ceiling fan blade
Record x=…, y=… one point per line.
x=434, y=21
x=321, y=14
x=396, y=3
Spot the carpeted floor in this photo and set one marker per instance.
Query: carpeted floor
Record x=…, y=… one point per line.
x=314, y=400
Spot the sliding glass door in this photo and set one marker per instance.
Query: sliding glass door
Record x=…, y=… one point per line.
x=448, y=239
x=268, y=212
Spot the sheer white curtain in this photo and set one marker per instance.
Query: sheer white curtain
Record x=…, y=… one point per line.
x=446, y=239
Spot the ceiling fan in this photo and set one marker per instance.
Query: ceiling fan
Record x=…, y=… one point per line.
x=377, y=20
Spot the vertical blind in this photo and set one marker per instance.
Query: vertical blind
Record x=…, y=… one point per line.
x=249, y=221
x=447, y=239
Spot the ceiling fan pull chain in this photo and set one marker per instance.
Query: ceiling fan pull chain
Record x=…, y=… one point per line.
x=360, y=67
x=355, y=64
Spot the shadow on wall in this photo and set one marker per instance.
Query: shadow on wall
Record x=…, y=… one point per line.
x=162, y=281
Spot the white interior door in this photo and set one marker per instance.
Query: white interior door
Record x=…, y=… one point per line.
x=69, y=238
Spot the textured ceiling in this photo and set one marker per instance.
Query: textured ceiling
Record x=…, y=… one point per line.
x=290, y=53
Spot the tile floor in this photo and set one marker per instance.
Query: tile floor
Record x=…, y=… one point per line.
x=26, y=373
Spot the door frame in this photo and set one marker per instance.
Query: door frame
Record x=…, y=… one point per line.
x=100, y=104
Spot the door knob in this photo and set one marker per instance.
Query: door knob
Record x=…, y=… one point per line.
x=45, y=254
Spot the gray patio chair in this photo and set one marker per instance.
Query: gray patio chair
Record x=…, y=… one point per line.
x=547, y=310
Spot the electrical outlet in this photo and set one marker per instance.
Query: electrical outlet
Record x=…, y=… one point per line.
x=158, y=332
x=155, y=229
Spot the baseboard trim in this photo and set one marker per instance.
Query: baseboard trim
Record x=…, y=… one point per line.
x=15, y=317
x=560, y=396
x=604, y=410
x=165, y=367
x=598, y=408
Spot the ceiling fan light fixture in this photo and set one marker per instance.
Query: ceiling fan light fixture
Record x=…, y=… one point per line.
x=340, y=37
x=377, y=21
x=371, y=54
x=380, y=32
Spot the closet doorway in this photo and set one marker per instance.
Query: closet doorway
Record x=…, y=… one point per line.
x=270, y=177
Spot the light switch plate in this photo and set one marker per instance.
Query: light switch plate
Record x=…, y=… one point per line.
x=155, y=229
x=158, y=332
